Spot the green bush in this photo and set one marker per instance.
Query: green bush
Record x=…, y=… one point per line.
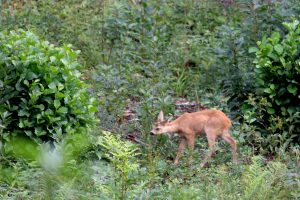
x=246, y=23
x=41, y=94
x=275, y=108
x=278, y=70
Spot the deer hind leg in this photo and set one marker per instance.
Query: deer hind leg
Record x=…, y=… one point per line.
x=211, y=139
x=180, y=150
x=227, y=137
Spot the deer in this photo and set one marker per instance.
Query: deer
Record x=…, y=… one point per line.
x=213, y=123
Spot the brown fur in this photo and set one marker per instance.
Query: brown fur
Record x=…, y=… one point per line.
x=213, y=123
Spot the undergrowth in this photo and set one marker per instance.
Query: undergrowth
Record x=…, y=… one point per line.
x=140, y=57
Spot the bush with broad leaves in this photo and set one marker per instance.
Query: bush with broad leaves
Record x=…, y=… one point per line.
x=41, y=94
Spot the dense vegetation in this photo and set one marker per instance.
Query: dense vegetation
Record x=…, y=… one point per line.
x=42, y=95
x=136, y=58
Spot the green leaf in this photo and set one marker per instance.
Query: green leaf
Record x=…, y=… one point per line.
x=18, y=86
x=292, y=89
x=268, y=90
x=49, y=112
x=63, y=110
x=291, y=110
x=64, y=61
x=273, y=56
x=28, y=133
x=60, y=86
x=281, y=91
x=275, y=38
x=52, y=86
x=55, y=119
x=278, y=102
x=59, y=95
x=40, y=106
x=26, y=82
x=268, y=49
x=278, y=48
x=21, y=124
x=23, y=112
x=52, y=58
x=49, y=91
x=39, y=132
x=283, y=111
x=271, y=111
x=253, y=50
x=31, y=76
x=56, y=103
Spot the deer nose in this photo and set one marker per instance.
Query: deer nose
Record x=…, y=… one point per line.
x=151, y=133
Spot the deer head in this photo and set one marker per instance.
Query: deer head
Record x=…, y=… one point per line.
x=158, y=127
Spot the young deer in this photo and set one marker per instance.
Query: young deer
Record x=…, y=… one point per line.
x=213, y=123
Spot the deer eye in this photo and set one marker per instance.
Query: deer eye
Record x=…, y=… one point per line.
x=157, y=129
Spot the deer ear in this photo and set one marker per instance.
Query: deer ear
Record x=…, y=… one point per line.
x=160, y=116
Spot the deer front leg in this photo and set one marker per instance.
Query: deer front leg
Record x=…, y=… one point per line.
x=180, y=150
x=191, y=143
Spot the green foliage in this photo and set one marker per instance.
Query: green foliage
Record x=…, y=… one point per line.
x=265, y=133
x=264, y=183
x=140, y=56
x=21, y=147
x=246, y=22
x=55, y=172
x=253, y=181
x=126, y=177
x=121, y=154
x=42, y=96
x=276, y=105
x=277, y=70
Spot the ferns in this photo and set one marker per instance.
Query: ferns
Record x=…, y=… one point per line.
x=120, y=154
x=264, y=182
x=124, y=178
x=253, y=178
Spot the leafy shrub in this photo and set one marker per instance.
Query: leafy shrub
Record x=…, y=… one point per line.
x=246, y=22
x=278, y=70
x=41, y=94
x=277, y=74
x=265, y=133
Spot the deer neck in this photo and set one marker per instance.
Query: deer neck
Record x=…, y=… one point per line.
x=171, y=127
